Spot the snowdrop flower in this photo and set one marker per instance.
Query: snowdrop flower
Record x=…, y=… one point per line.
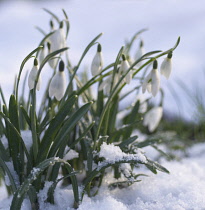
x=57, y=39
x=97, y=63
x=106, y=84
x=152, y=118
x=53, y=61
x=123, y=69
x=152, y=81
x=166, y=66
x=57, y=85
x=140, y=52
x=32, y=76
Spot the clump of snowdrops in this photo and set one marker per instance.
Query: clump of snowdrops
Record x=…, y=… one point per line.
x=76, y=136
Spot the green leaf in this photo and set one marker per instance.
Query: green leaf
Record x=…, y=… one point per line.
x=128, y=141
x=131, y=118
x=7, y=171
x=148, y=142
x=52, y=14
x=67, y=127
x=24, y=188
x=25, y=114
x=22, y=66
x=54, y=126
x=93, y=42
x=18, y=136
x=156, y=166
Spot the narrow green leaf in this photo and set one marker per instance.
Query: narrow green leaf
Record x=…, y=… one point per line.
x=25, y=114
x=24, y=188
x=54, y=126
x=7, y=171
x=127, y=142
x=156, y=166
x=17, y=134
x=67, y=127
x=52, y=14
x=147, y=142
x=22, y=66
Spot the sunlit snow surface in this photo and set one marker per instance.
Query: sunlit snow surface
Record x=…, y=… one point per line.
x=183, y=189
x=118, y=19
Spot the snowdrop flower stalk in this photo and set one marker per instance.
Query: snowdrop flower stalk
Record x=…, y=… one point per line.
x=32, y=76
x=152, y=118
x=166, y=66
x=152, y=81
x=123, y=69
x=57, y=85
x=42, y=54
x=97, y=63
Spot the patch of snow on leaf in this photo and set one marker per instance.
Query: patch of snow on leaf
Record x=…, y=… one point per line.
x=113, y=154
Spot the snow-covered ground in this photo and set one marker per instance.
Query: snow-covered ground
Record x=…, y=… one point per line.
x=118, y=19
x=182, y=189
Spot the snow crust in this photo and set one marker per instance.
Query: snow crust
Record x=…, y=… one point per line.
x=183, y=189
x=113, y=153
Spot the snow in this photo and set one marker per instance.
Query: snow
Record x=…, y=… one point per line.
x=182, y=189
x=113, y=154
x=71, y=155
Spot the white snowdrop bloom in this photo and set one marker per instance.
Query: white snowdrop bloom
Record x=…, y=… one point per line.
x=152, y=81
x=166, y=66
x=57, y=39
x=57, y=85
x=152, y=118
x=123, y=69
x=140, y=52
x=97, y=63
x=52, y=61
x=106, y=84
x=32, y=76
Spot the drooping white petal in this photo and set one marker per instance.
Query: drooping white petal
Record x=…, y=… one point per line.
x=97, y=64
x=32, y=77
x=166, y=67
x=124, y=66
x=146, y=83
x=128, y=77
x=155, y=83
x=53, y=62
x=57, y=86
x=123, y=69
x=57, y=40
x=152, y=118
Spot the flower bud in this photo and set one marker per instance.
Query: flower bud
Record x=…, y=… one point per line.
x=97, y=63
x=166, y=66
x=57, y=85
x=32, y=76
